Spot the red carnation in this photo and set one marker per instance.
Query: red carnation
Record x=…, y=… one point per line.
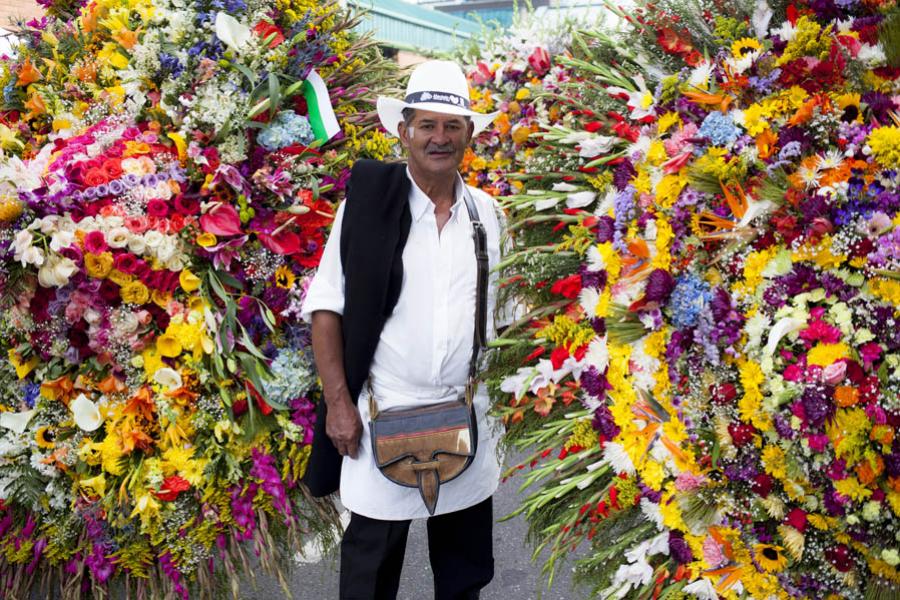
x=171, y=487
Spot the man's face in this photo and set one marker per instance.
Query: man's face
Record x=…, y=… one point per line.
x=435, y=142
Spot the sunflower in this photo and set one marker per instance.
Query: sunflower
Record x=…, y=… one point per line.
x=770, y=558
x=44, y=438
x=849, y=105
x=284, y=277
x=744, y=46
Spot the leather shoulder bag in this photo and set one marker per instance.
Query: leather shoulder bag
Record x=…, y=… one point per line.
x=423, y=447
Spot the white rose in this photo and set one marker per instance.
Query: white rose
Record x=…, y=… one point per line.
x=176, y=263
x=118, y=237
x=127, y=321
x=153, y=239
x=162, y=191
x=92, y=316
x=48, y=224
x=166, y=250
x=112, y=221
x=136, y=244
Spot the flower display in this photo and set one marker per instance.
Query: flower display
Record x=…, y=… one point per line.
x=168, y=175
x=511, y=71
x=710, y=372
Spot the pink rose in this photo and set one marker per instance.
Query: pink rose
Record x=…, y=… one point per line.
x=137, y=224
x=834, y=373
x=94, y=242
x=157, y=208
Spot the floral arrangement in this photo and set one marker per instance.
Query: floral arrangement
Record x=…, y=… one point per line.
x=511, y=71
x=709, y=377
x=168, y=175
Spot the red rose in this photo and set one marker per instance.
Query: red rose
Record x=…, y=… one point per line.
x=762, y=485
x=95, y=177
x=723, y=393
x=113, y=168
x=797, y=519
x=157, y=208
x=741, y=433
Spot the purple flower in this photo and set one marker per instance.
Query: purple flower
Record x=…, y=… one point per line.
x=817, y=405
x=594, y=383
x=604, y=423
x=679, y=549
x=605, y=229
x=659, y=286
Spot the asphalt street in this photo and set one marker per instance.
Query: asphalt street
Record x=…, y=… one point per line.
x=516, y=577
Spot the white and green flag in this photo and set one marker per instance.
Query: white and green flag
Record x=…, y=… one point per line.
x=321, y=114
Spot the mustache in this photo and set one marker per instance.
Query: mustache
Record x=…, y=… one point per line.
x=439, y=148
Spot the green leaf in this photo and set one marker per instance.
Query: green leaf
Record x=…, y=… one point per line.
x=274, y=94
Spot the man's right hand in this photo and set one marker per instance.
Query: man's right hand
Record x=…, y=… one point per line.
x=343, y=426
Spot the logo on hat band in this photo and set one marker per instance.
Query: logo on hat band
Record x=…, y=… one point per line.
x=439, y=97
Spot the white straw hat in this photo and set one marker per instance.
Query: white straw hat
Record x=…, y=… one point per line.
x=435, y=85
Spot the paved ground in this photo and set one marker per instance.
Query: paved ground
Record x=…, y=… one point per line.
x=516, y=578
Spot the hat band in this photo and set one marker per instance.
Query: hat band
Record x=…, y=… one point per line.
x=439, y=97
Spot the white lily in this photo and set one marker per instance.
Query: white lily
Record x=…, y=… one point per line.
x=16, y=421
x=86, y=413
x=232, y=32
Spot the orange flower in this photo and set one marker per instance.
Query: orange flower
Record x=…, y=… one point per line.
x=502, y=124
x=845, y=395
x=141, y=404
x=765, y=143
x=126, y=38
x=111, y=385
x=28, y=74
x=883, y=434
x=720, y=100
x=869, y=470
x=86, y=72
x=58, y=389
x=35, y=106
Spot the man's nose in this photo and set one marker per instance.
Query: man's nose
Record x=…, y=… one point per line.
x=440, y=135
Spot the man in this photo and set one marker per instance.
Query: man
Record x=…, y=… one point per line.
x=393, y=303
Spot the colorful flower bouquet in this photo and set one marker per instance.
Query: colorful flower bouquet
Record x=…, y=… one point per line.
x=710, y=372
x=168, y=177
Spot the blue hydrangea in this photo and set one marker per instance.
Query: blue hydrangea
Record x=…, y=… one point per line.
x=32, y=390
x=719, y=128
x=690, y=296
x=293, y=375
x=286, y=129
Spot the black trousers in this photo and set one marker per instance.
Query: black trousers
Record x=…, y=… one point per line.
x=460, y=549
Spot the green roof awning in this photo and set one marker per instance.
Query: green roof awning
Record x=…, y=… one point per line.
x=409, y=26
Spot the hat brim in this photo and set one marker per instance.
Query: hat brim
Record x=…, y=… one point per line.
x=390, y=112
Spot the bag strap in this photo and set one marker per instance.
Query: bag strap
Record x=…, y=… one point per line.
x=479, y=341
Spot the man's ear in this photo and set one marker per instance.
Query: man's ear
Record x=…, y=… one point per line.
x=404, y=134
x=471, y=131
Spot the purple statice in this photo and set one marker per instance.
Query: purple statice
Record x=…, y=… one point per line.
x=783, y=427
x=817, y=405
x=763, y=85
x=719, y=129
x=594, y=382
x=624, y=208
x=679, y=549
x=688, y=298
x=604, y=423
x=264, y=469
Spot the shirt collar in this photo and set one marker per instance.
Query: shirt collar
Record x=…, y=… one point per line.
x=420, y=203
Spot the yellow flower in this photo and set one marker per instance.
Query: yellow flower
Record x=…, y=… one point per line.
x=849, y=103
x=669, y=188
x=823, y=355
x=95, y=485
x=161, y=298
x=284, y=277
x=770, y=558
x=188, y=281
x=44, y=438
x=135, y=292
x=885, y=145
x=774, y=461
x=168, y=345
x=206, y=240
x=23, y=368
x=667, y=121
x=849, y=432
x=10, y=208
x=852, y=488
x=147, y=508
x=744, y=46
x=755, y=119
x=523, y=93
x=98, y=265
x=120, y=278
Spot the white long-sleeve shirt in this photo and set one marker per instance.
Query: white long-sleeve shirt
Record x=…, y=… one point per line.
x=424, y=350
